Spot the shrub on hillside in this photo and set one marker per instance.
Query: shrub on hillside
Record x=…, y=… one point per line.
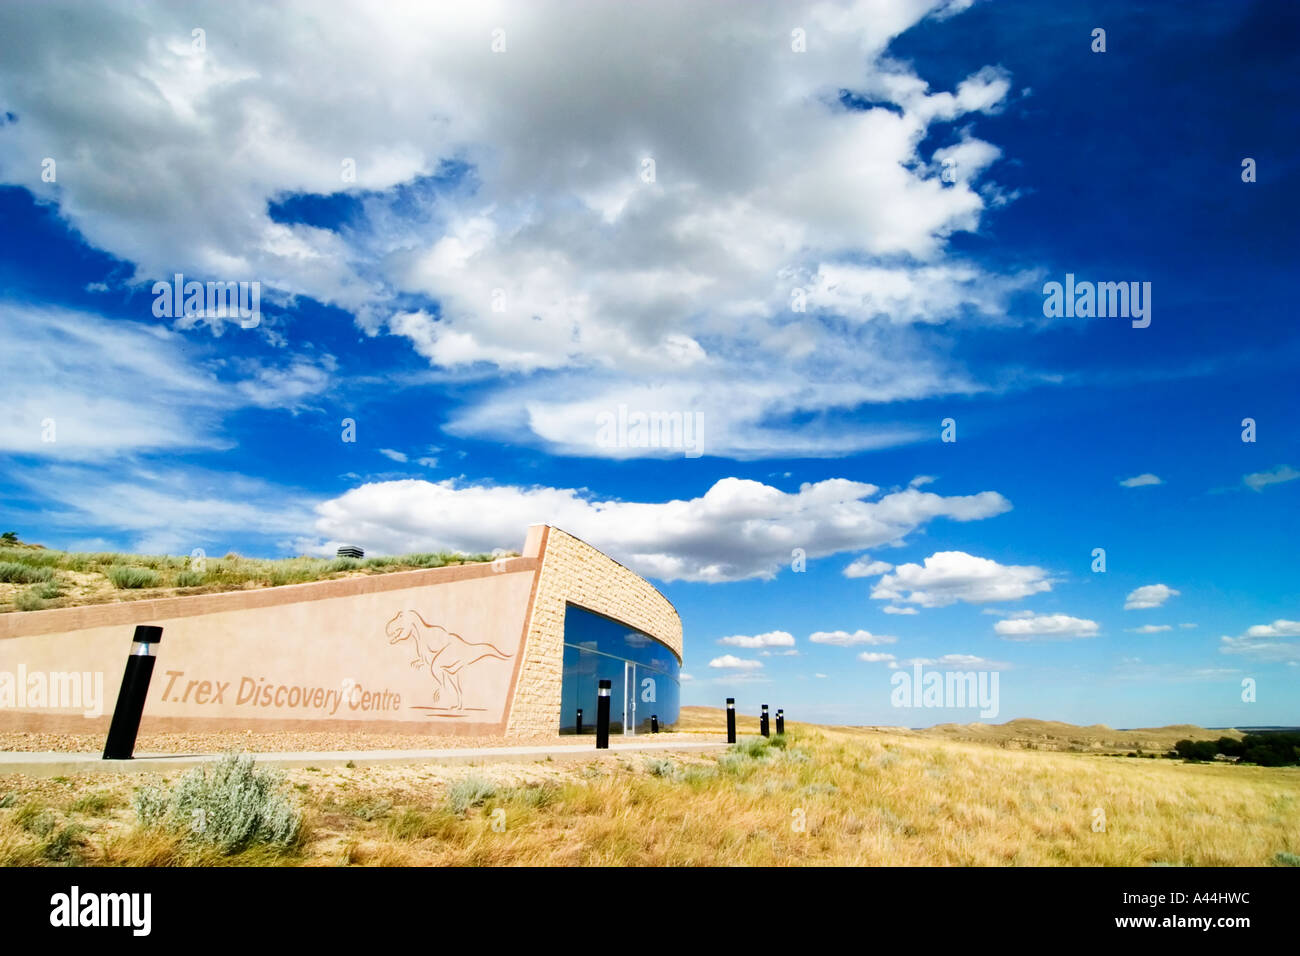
x=11, y=572
x=30, y=557
x=127, y=577
x=29, y=600
x=235, y=807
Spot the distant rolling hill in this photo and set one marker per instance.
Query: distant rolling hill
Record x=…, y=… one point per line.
x=1024, y=733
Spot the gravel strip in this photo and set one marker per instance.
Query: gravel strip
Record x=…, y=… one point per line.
x=302, y=742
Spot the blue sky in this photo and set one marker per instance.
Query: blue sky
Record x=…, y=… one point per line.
x=502, y=271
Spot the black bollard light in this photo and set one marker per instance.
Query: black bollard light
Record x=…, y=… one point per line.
x=731, y=720
x=125, y=725
x=654, y=723
x=602, y=716
x=762, y=723
x=780, y=721
x=579, y=730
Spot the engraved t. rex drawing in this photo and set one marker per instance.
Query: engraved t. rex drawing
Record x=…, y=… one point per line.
x=444, y=653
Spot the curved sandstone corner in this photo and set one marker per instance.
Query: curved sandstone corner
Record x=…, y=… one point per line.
x=469, y=650
x=573, y=572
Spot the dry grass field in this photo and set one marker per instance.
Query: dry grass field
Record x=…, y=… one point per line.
x=829, y=796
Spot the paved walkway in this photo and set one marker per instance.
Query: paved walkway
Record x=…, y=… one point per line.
x=50, y=764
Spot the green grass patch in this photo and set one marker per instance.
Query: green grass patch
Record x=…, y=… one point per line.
x=367, y=808
x=35, y=818
x=64, y=844
x=755, y=748
x=413, y=823
x=536, y=797
x=96, y=803
x=467, y=793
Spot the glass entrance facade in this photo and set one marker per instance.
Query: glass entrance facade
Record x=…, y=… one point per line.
x=643, y=675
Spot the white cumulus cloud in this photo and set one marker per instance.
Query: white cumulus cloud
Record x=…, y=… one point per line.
x=1278, y=628
x=731, y=662
x=1149, y=596
x=1267, y=642
x=1047, y=626
x=864, y=567
x=770, y=639
x=950, y=576
x=875, y=657
x=737, y=529
x=560, y=270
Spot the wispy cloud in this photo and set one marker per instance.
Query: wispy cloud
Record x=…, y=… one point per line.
x=1279, y=641
x=847, y=639
x=83, y=387
x=1259, y=480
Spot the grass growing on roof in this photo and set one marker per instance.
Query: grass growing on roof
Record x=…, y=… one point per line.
x=33, y=578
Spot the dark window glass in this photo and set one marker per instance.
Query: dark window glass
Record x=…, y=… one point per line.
x=643, y=675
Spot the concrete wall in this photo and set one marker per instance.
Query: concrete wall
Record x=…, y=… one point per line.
x=332, y=655
x=473, y=650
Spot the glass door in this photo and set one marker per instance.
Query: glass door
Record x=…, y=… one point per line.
x=629, y=698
